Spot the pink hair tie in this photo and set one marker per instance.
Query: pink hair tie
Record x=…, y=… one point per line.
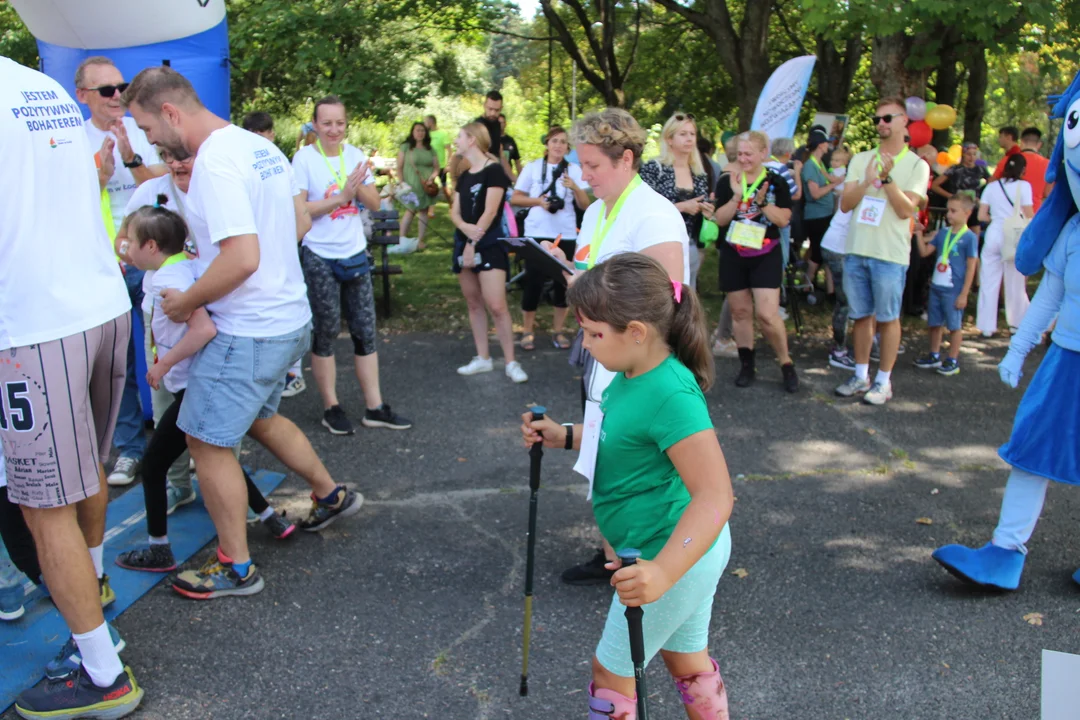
x=678, y=291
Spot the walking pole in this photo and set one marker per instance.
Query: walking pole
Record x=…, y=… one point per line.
x=535, y=453
x=629, y=556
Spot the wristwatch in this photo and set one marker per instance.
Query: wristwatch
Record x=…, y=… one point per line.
x=136, y=161
x=886, y=180
x=569, y=435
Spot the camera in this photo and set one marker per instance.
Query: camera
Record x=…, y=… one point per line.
x=555, y=204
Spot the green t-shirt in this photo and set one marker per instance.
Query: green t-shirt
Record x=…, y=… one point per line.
x=439, y=140
x=638, y=496
x=825, y=205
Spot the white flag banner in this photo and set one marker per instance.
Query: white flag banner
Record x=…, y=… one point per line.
x=777, y=111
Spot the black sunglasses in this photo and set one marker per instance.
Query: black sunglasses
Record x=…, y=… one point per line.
x=886, y=118
x=679, y=117
x=107, y=91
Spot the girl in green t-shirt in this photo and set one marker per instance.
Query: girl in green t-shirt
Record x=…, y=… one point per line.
x=660, y=485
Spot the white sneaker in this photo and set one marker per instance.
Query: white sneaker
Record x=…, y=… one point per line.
x=725, y=348
x=123, y=472
x=879, y=394
x=783, y=313
x=294, y=385
x=854, y=386
x=477, y=365
x=515, y=372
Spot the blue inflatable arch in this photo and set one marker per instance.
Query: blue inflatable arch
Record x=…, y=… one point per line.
x=189, y=35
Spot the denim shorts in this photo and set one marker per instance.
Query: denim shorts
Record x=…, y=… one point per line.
x=942, y=310
x=677, y=622
x=873, y=287
x=235, y=381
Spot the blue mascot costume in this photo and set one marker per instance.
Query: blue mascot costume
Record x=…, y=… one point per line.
x=1045, y=441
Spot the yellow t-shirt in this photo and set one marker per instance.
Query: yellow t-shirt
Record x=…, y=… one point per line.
x=891, y=240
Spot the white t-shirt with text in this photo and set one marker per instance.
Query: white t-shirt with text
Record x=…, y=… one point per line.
x=122, y=184
x=533, y=181
x=338, y=234
x=241, y=184
x=166, y=333
x=58, y=276
x=1002, y=195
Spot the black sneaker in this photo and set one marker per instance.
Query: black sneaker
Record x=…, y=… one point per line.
x=152, y=558
x=384, y=417
x=791, y=379
x=342, y=503
x=76, y=696
x=279, y=525
x=336, y=421
x=746, y=372
x=592, y=572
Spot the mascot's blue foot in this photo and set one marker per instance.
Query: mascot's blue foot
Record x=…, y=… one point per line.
x=989, y=566
x=1076, y=577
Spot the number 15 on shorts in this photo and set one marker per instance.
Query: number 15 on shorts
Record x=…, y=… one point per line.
x=16, y=411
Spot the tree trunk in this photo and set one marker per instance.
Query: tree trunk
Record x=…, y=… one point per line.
x=978, y=80
x=889, y=71
x=945, y=90
x=836, y=72
x=601, y=67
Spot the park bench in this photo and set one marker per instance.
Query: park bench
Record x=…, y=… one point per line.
x=384, y=233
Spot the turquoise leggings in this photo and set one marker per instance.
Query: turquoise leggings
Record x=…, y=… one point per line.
x=677, y=622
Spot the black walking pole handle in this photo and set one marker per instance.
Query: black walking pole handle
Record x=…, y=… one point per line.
x=537, y=450
x=629, y=556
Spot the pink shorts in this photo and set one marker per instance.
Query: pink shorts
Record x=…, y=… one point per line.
x=58, y=406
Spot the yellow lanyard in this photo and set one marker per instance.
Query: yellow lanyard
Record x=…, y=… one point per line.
x=110, y=224
x=813, y=159
x=896, y=160
x=171, y=260
x=340, y=176
x=603, y=225
x=748, y=193
x=950, y=244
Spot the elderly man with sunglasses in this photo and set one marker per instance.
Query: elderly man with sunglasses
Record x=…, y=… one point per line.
x=125, y=159
x=884, y=187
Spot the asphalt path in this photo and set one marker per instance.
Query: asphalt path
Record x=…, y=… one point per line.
x=830, y=607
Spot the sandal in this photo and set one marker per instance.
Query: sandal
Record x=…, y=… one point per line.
x=561, y=341
x=528, y=341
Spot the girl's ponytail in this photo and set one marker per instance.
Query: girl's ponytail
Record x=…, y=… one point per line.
x=688, y=336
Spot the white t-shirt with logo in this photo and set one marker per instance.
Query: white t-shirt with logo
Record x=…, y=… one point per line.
x=540, y=223
x=646, y=218
x=147, y=194
x=241, y=184
x=57, y=275
x=122, y=183
x=166, y=333
x=338, y=234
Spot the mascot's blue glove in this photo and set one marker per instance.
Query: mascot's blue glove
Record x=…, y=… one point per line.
x=1044, y=308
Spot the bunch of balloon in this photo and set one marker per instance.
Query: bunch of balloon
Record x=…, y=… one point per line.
x=940, y=117
x=918, y=131
x=956, y=153
x=945, y=160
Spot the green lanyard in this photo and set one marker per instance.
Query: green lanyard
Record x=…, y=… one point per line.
x=813, y=159
x=748, y=193
x=950, y=244
x=171, y=260
x=603, y=225
x=896, y=160
x=340, y=176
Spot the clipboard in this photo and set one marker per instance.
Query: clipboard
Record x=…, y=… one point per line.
x=539, y=257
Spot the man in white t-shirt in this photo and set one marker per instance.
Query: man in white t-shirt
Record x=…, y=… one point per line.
x=242, y=211
x=339, y=189
x=64, y=328
x=125, y=160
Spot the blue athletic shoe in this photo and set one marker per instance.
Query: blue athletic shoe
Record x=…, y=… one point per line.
x=68, y=661
x=76, y=696
x=989, y=566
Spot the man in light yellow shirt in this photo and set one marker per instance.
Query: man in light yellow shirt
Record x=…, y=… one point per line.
x=884, y=189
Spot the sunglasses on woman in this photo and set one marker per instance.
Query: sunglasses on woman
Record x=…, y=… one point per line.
x=107, y=91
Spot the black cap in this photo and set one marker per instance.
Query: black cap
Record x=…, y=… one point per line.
x=816, y=138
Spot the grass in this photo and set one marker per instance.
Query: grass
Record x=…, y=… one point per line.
x=426, y=296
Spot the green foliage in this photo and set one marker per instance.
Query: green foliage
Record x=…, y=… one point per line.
x=16, y=42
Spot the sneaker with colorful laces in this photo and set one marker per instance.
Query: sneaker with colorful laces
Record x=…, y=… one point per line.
x=152, y=558
x=108, y=597
x=949, y=366
x=343, y=502
x=279, y=525
x=68, y=660
x=929, y=362
x=216, y=578
x=76, y=696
